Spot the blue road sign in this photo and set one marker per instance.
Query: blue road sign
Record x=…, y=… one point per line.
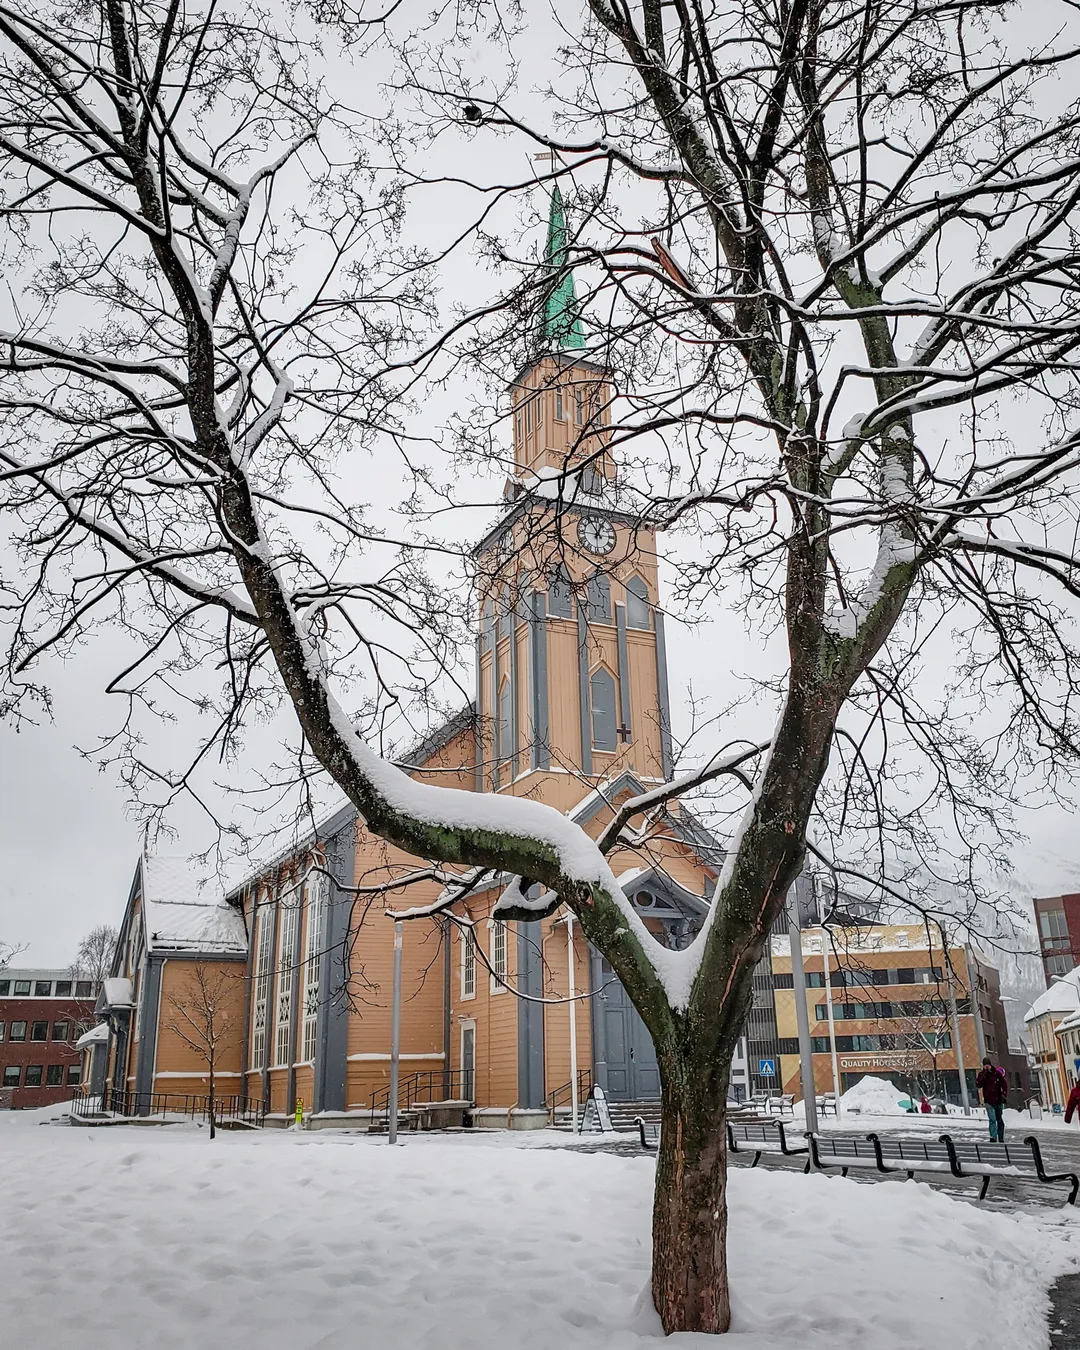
x=766, y=1068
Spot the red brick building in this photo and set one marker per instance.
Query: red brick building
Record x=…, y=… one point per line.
x=1057, y=918
x=42, y=1014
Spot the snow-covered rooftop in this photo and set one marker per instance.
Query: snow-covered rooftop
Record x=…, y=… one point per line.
x=179, y=916
x=1063, y=996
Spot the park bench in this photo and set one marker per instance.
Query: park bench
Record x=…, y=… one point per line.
x=973, y=1158
x=783, y=1104
x=826, y=1103
x=764, y=1137
x=843, y=1151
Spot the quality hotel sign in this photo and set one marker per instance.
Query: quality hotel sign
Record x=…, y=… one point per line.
x=886, y=1059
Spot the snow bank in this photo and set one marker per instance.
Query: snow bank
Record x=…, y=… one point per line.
x=874, y=1097
x=290, y=1241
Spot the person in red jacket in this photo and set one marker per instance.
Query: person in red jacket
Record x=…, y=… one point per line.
x=1073, y=1104
x=994, y=1087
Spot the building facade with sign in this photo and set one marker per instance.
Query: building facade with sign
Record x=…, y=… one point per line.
x=885, y=1009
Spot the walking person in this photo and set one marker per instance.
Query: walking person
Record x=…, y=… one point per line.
x=994, y=1087
x=1073, y=1104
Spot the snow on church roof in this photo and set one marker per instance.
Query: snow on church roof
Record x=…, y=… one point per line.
x=182, y=917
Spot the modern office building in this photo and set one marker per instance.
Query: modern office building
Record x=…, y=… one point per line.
x=880, y=1000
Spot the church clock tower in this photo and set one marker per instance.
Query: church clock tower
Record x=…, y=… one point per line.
x=571, y=665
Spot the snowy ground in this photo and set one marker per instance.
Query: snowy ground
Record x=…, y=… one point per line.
x=138, y=1237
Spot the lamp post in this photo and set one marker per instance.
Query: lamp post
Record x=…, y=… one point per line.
x=825, y=943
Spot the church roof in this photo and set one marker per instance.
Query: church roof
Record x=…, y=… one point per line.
x=560, y=318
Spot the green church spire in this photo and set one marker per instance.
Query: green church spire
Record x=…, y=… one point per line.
x=560, y=321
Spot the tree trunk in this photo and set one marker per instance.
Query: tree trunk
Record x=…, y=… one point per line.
x=689, y=1274
x=212, y=1130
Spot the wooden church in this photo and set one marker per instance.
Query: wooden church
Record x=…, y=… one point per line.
x=571, y=709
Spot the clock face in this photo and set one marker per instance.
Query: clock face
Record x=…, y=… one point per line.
x=596, y=534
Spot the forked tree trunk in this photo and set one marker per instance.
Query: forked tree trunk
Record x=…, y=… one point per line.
x=689, y=1274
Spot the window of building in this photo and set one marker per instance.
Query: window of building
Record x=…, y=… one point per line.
x=18, y=1031
x=63, y=988
x=598, y=599
x=74, y=1075
x=579, y=405
x=33, y=1075
x=287, y=953
x=1052, y=924
x=43, y=988
x=316, y=890
x=39, y=1031
x=84, y=989
x=5, y=987
x=487, y=622
x=505, y=726
x=2, y=1028
x=468, y=963
x=560, y=412
x=506, y=614
x=11, y=1075
x=638, y=614
x=1058, y=965
x=498, y=956
x=22, y=987
x=54, y=1075
x=264, y=947
x=602, y=698
x=559, y=594
x=60, y=1031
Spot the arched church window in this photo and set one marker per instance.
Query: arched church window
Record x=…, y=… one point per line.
x=559, y=594
x=506, y=622
x=637, y=604
x=602, y=696
x=598, y=599
x=506, y=720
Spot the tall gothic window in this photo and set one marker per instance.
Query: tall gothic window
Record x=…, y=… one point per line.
x=316, y=892
x=559, y=594
x=498, y=956
x=598, y=599
x=602, y=697
x=506, y=719
x=288, y=943
x=637, y=604
x=264, y=949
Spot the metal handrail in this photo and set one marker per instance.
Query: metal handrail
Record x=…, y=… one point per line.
x=418, y=1089
x=560, y=1095
x=125, y=1102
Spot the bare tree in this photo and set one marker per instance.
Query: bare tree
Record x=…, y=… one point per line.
x=8, y=952
x=859, y=252
x=94, y=957
x=207, y=1016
